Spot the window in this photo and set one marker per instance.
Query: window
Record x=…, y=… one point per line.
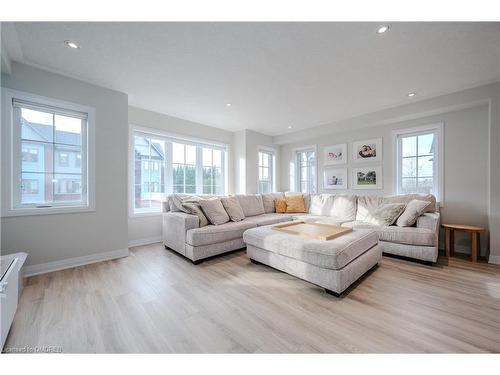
x=306, y=170
x=418, y=160
x=266, y=171
x=212, y=171
x=46, y=135
x=149, y=184
x=164, y=165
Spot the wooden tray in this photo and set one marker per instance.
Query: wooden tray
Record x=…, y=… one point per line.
x=315, y=231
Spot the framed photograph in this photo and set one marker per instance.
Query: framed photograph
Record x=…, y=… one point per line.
x=367, y=178
x=368, y=150
x=334, y=178
x=336, y=154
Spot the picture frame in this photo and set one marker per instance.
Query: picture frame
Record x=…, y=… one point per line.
x=335, y=154
x=367, y=178
x=369, y=150
x=334, y=179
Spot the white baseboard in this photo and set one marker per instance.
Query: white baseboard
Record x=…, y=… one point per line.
x=494, y=259
x=58, y=265
x=144, y=241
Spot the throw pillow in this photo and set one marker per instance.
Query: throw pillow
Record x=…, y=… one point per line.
x=233, y=208
x=413, y=210
x=295, y=203
x=194, y=208
x=214, y=211
x=251, y=204
x=386, y=214
x=178, y=199
x=268, y=201
x=280, y=204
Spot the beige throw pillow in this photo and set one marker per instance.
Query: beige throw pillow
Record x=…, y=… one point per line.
x=386, y=214
x=413, y=210
x=194, y=208
x=214, y=211
x=233, y=208
x=295, y=203
x=251, y=204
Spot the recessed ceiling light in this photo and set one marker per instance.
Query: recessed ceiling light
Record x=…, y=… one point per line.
x=289, y=126
x=411, y=94
x=71, y=44
x=383, y=29
x=228, y=105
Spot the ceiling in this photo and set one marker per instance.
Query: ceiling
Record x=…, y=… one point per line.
x=275, y=75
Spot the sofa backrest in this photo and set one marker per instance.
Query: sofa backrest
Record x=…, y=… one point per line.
x=368, y=203
x=339, y=206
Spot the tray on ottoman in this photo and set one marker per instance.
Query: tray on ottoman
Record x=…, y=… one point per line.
x=313, y=230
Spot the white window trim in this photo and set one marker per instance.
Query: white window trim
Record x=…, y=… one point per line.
x=271, y=151
x=169, y=137
x=8, y=209
x=438, y=128
x=296, y=185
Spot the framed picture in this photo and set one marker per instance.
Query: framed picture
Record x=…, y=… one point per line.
x=336, y=154
x=368, y=150
x=335, y=178
x=367, y=178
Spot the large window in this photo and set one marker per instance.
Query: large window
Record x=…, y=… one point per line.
x=164, y=165
x=306, y=170
x=418, y=166
x=266, y=171
x=49, y=155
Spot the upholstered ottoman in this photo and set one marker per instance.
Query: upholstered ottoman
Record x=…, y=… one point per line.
x=333, y=265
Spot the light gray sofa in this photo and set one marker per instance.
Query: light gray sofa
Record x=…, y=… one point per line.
x=181, y=231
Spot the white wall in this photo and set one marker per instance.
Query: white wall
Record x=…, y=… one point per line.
x=467, y=123
x=55, y=237
x=148, y=228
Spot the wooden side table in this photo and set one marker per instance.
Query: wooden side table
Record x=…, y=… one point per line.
x=449, y=235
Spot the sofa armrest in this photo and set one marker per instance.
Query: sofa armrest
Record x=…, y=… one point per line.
x=430, y=220
x=174, y=228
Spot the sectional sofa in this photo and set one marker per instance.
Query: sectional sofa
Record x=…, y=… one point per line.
x=182, y=233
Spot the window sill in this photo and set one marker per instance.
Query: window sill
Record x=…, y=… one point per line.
x=138, y=215
x=47, y=211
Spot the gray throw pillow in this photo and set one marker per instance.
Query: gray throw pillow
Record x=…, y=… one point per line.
x=233, y=208
x=178, y=199
x=251, y=204
x=386, y=214
x=268, y=201
x=214, y=211
x=194, y=208
x=413, y=210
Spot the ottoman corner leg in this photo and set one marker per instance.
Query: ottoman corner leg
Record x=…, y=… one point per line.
x=332, y=293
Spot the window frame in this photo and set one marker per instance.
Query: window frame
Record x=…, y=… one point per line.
x=12, y=153
x=171, y=138
x=272, y=168
x=297, y=167
x=397, y=134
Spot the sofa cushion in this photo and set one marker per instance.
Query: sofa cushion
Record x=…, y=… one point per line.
x=386, y=214
x=412, y=211
x=268, y=219
x=194, y=208
x=406, y=198
x=233, y=208
x=326, y=254
x=214, y=211
x=251, y=204
x=295, y=203
x=218, y=233
x=402, y=235
x=342, y=206
x=309, y=217
x=268, y=201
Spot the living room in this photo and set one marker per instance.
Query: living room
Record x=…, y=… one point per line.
x=208, y=187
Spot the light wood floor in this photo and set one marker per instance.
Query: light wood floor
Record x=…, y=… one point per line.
x=156, y=301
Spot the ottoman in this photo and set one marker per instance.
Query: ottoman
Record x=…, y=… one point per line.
x=333, y=265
